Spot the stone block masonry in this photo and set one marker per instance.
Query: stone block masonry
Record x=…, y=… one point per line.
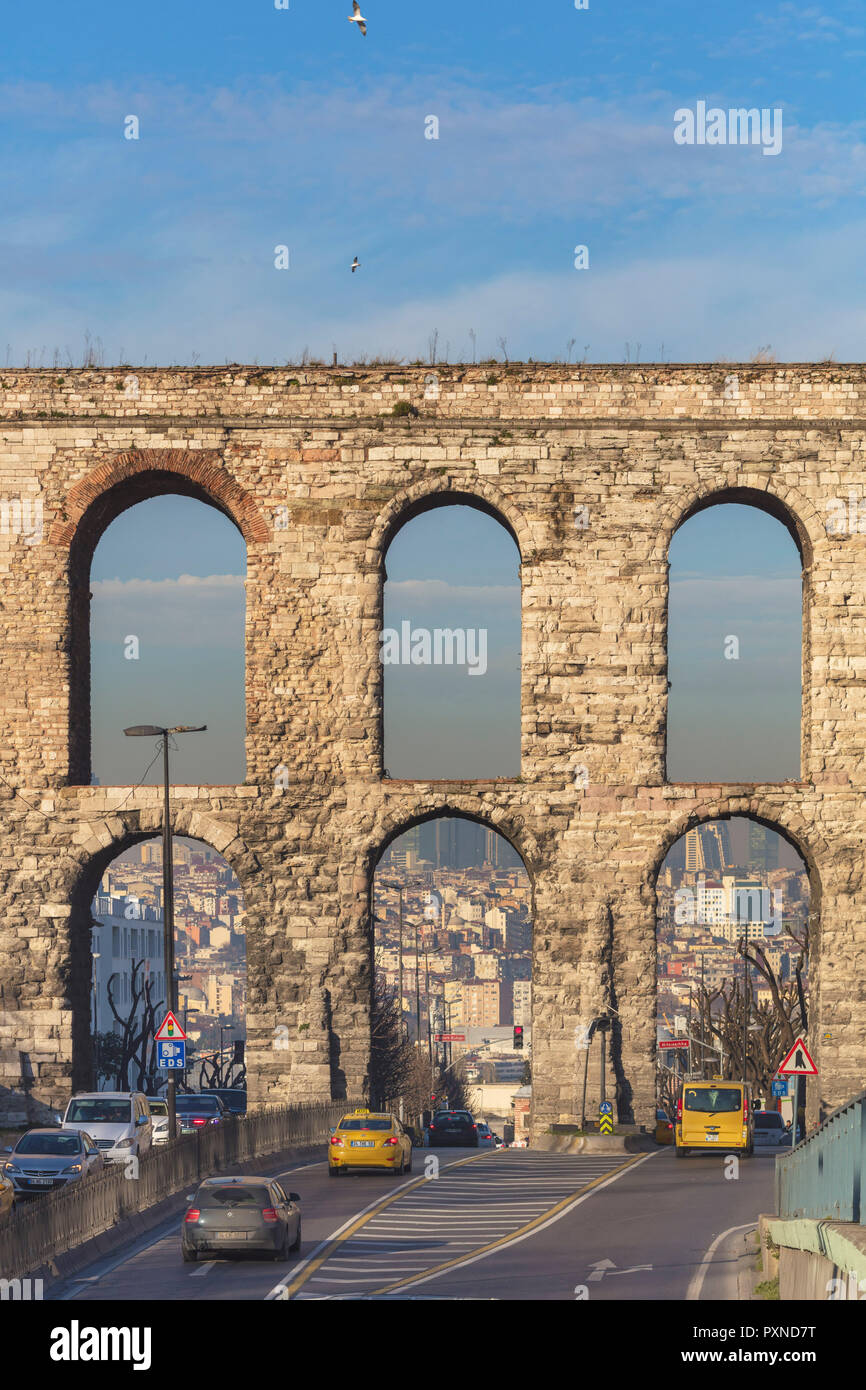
x=592, y=469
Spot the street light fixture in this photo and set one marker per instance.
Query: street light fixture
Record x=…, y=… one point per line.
x=155, y=731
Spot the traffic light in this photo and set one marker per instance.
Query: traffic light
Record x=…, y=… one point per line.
x=238, y=1055
x=518, y=1036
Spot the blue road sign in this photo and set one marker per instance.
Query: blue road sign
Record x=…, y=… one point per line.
x=780, y=1086
x=171, y=1056
x=605, y=1108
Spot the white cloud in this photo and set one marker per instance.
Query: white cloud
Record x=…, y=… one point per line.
x=188, y=612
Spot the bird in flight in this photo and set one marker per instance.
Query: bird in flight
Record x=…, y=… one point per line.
x=357, y=18
x=355, y=265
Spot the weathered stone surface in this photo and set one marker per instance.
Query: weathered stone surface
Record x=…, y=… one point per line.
x=318, y=474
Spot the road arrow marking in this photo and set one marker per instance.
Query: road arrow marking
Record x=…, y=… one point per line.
x=603, y=1267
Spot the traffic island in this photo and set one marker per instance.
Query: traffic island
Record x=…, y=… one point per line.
x=571, y=1139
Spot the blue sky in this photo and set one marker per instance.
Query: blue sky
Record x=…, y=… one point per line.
x=261, y=127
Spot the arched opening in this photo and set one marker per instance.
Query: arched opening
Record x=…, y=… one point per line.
x=450, y=642
x=736, y=636
x=157, y=632
x=735, y=905
x=452, y=918
x=124, y=948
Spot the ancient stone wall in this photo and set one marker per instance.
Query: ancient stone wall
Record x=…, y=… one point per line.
x=592, y=469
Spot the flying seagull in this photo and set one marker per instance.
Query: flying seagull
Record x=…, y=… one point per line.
x=357, y=18
x=355, y=265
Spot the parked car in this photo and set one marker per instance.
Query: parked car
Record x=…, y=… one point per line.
x=7, y=1194
x=195, y=1110
x=770, y=1129
x=453, y=1127
x=664, y=1130
x=44, y=1159
x=233, y=1098
x=158, y=1108
x=486, y=1137
x=230, y=1215
x=119, y=1121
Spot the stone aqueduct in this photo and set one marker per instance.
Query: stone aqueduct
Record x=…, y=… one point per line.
x=318, y=470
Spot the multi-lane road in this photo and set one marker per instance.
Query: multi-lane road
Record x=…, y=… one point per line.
x=508, y=1224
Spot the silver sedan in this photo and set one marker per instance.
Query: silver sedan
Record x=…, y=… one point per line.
x=45, y=1159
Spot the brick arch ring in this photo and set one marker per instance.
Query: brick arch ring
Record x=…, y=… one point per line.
x=460, y=489
x=202, y=470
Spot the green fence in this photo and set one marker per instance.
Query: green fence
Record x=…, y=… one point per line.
x=824, y=1177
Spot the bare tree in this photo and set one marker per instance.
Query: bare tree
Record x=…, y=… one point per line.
x=751, y=1039
x=138, y=1025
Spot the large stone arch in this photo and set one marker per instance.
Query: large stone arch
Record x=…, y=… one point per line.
x=642, y=925
x=447, y=490
x=349, y=979
x=803, y=524
x=97, y=844
x=90, y=506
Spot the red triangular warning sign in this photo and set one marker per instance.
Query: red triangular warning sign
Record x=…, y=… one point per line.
x=798, y=1062
x=169, y=1029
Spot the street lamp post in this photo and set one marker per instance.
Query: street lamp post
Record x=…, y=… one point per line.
x=96, y=956
x=155, y=731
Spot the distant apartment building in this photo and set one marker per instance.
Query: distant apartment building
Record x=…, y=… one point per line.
x=522, y=996
x=487, y=965
x=117, y=941
x=219, y=994
x=487, y=1003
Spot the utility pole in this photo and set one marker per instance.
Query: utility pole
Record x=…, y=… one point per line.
x=400, y=974
x=151, y=731
x=747, y=1009
x=417, y=988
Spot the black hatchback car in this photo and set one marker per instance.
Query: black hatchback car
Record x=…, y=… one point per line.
x=230, y=1216
x=455, y=1127
x=233, y=1098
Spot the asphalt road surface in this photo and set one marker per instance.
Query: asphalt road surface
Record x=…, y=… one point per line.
x=507, y=1224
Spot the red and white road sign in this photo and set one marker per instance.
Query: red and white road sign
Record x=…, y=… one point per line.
x=449, y=1037
x=169, y=1030
x=674, y=1042
x=798, y=1062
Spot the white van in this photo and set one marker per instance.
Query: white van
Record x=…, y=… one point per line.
x=119, y=1121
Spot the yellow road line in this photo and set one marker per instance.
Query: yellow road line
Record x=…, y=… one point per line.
x=365, y=1216
x=519, y=1234
x=378, y=1207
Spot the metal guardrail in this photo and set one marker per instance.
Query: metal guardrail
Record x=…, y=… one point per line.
x=824, y=1177
x=57, y=1222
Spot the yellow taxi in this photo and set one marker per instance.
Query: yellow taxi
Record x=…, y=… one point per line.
x=367, y=1139
x=715, y=1114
